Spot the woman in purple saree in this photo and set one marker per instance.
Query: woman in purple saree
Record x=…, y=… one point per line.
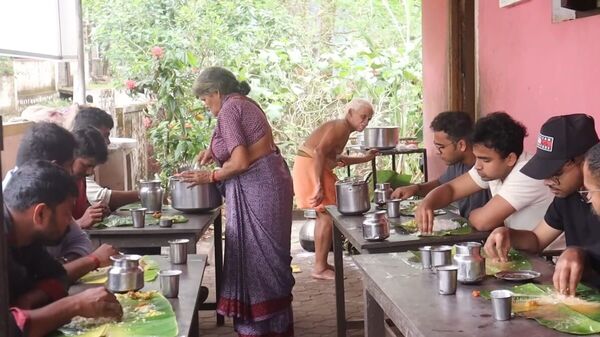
x=257, y=283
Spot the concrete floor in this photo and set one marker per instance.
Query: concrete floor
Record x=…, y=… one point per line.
x=314, y=301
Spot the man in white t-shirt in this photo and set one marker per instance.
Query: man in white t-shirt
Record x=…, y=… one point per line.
x=518, y=201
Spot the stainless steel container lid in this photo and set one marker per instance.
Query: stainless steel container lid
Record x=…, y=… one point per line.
x=441, y=248
x=351, y=181
x=126, y=260
x=383, y=186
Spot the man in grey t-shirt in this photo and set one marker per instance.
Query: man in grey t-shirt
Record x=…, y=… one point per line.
x=451, y=131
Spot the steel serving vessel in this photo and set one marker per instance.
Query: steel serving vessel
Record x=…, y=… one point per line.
x=125, y=274
x=352, y=196
x=383, y=137
x=151, y=195
x=199, y=198
x=470, y=263
x=376, y=226
x=383, y=193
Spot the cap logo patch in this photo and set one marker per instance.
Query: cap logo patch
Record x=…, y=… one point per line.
x=545, y=143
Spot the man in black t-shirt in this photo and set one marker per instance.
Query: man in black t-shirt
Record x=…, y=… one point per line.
x=37, y=210
x=561, y=147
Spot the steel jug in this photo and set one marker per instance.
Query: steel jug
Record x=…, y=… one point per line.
x=151, y=195
x=126, y=274
x=376, y=226
x=383, y=193
x=470, y=263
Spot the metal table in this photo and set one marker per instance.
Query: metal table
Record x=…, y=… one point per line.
x=350, y=227
x=155, y=236
x=391, y=152
x=409, y=297
x=185, y=306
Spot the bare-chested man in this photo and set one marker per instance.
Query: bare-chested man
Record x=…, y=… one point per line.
x=314, y=180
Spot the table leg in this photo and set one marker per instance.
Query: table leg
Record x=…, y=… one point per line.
x=348, y=166
x=340, y=299
x=218, y=228
x=425, y=165
x=374, y=172
x=374, y=323
x=394, y=162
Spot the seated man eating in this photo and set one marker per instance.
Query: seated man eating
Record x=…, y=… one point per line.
x=518, y=201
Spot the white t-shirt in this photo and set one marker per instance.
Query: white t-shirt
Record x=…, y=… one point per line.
x=529, y=197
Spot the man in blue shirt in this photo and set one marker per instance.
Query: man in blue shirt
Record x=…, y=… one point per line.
x=451, y=132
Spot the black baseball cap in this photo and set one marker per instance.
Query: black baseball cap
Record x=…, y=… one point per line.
x=561, y=139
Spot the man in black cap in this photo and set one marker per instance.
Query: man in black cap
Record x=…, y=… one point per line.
x=561, y=147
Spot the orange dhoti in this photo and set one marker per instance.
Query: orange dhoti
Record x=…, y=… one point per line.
x=305, y=183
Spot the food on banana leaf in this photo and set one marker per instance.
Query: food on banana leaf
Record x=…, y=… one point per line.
x=578, y=315
x=145, y=313
x=516, y=261
x=408, y=207
x=114, y=220
x=441, y=227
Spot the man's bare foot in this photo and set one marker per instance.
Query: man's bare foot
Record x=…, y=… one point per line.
x=326, y=274
x=330, y=267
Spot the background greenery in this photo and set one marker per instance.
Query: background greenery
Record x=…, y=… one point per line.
x=303, y=59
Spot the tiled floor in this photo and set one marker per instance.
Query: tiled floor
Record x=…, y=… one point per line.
x=314, y=301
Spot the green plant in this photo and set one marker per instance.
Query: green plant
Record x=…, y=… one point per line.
x=303, y=59
x=176, y=124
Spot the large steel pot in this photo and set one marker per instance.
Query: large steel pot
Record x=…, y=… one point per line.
x=383, y=137
x=200, y=198
x=352, y=196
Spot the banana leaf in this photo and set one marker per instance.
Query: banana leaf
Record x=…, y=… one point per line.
x=151, y=317
x=99, y=276
x=562, y=314
x=463, y=229
x=114, y=220
x=516, y=261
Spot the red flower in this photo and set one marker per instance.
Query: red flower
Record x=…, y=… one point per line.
x=130, y=84
x=147, y=122
x=157, y=52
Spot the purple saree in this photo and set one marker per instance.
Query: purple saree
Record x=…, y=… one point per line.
x=257, y=283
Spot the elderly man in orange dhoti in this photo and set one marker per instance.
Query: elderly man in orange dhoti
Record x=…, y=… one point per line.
x=314, y=180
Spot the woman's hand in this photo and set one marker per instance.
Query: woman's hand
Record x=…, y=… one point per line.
x=195, y=177
x=204, y=157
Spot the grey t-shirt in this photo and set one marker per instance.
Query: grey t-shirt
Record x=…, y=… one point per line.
x=475, y=200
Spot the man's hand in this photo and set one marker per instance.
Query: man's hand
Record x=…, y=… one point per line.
x=104, y=252
x=568, y=271
x=405, y=192
x=371, y=154
x=92, y=215
x=98, y=302
x=498, y=244
x=424, y=217
x=317, y=197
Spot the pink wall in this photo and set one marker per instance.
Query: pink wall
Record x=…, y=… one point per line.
x=435, y=75
x=533, y=68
